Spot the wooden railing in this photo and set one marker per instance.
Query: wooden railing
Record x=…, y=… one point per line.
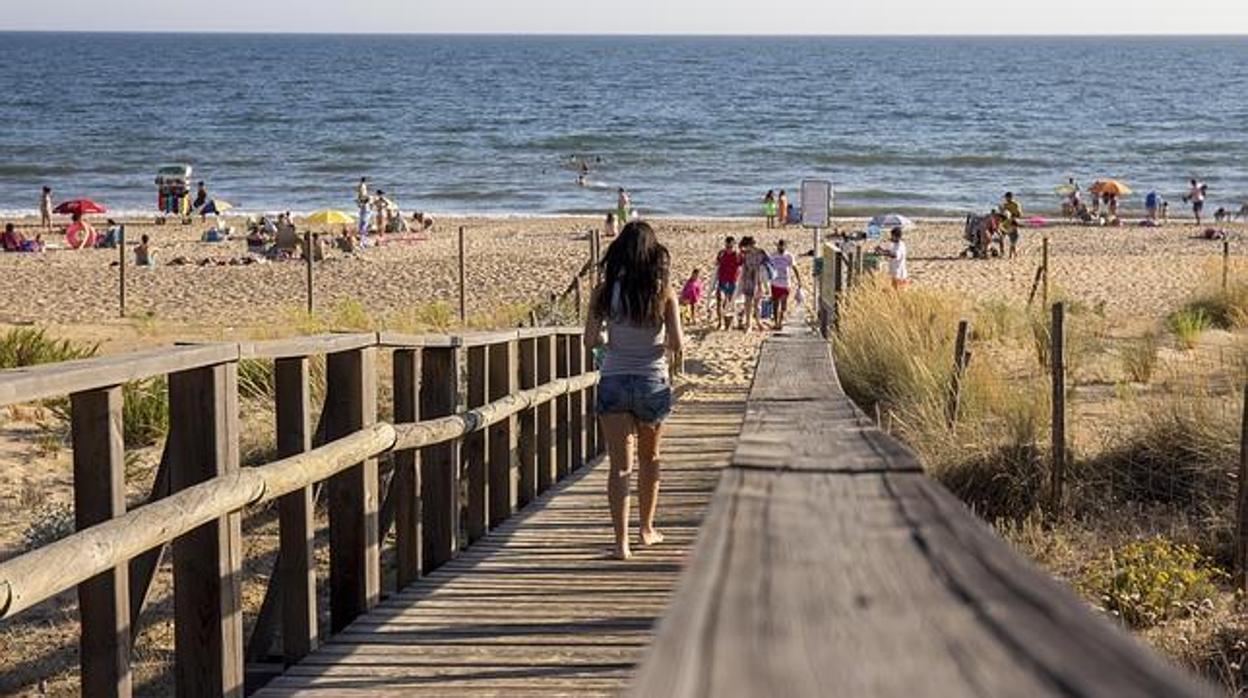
x=523, y=422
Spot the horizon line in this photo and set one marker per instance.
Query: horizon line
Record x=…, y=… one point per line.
x=674, y=34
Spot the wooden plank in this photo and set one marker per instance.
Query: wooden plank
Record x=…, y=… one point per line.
x=546, y=441
x=563, y=411
x=526, y=425
x=207, y=561
x=439, y=476
x=354, y=554
x=576, y=403
x=66, y=377
x=501, y=436
x=100, y=495
x=143, y=568
x=476, y=521
x=296, y=559
x=405, y=483
x=593, y=439
x=400, y=340
x=296, y=347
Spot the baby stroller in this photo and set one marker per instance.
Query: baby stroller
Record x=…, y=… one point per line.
x=978, y=235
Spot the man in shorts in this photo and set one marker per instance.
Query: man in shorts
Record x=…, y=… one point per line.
x=896, y=253
x=1196, y=195
x=1013, y=214
x=783, y=266
x=727, y=267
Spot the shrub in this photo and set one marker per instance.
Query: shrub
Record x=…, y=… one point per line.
x=437, y=316
x=1139, y=357
x=995, y=320
x=255, y=378
x=1148, y=581
x=28, y=346
x=1188, y=324
x=1224, y=309
x=350, y=314
x=51, y=523
x=145, y=411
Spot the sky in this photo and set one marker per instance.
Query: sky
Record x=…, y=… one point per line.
x=636, y=16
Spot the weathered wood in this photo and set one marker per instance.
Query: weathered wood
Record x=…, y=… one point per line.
x=405, y=483
x=1044, y=265
x=55, y=380
x=526, y=425
x=593, y=438
x=501, y=436
x=959, y=368
x=563, y=411
x=100, y=495
x=439, y=475
x=121, y=277
x=297, y=347
x=1057, y=356
x=354, y=554
x=899, y=584
x=838, y=288
x=415, y=341
x=143, y=567
x=1241, y=503
x=545, y=415
x=207, y=561
x=476, y=521
x=576, y=405
x=296, y=560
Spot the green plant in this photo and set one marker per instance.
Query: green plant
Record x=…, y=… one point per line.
x=1148, y=581
x=50, y=523
x=145, y=411
x=1139, y=357
x=255, y=379
x=995, y=320
x=28, y=346
x=436, y=316
x=350, y=314
x=1188, y=324
x=1225, y=309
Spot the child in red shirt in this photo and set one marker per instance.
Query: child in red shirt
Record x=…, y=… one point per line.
x=727, y=267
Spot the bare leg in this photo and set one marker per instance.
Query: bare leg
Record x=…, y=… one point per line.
x=618, y=429
x=648, y=466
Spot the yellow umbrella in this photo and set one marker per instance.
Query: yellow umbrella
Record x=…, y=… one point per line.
x=329, y=217
x=1112, y=187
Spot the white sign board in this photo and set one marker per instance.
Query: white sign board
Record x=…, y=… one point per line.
x=816, y=203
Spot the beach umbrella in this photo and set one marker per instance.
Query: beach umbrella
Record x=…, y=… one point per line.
x=892, y=220
x=1065, y=189
x=79, y=206
x=1112, y=187
x=329, y=217
x=216, y=207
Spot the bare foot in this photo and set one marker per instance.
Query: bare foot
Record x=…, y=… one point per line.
x=620, y=553
x=651, y=537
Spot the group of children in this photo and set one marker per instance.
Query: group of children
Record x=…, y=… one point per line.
x=763, y=281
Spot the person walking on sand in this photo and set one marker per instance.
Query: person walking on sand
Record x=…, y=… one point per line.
x=727, y=267
x=753, y=261
x=381, y=215
x=769, y=208
x=1013, y=214
x=623, y=207
x=609, y=227
x=1196, y=196
x=639, y=313
x=361, y=192
x=45, y=208
x=896, y=253
x=783, y=266
x=782, y=203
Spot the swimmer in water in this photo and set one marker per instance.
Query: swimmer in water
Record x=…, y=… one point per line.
x=580, y=181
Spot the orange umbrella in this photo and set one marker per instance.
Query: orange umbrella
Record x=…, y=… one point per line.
x=1112, y=187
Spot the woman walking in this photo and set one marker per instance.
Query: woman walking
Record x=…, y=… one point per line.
x=634, y=315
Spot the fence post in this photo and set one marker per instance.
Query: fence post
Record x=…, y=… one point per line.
x=477, y=522
x=576, y=405
x=100, y=495
x=405, y=483
x=439, y=465
x=121, y=280
x=207, y=562
x=593, y=439
x=1241, y=501
x=546, y=414
x=960, y=359
x=307, y=257
x=501, y=436
x=563, y=411
x=296, y=560
x=1044, y=279
x=1057, y=355
x=838, y=288
x=1226, y=264
x=354, y=559
x=526, y=426
x=463, y=298
x=577, y=299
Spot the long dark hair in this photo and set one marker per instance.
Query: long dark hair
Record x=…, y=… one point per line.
x=638, y=265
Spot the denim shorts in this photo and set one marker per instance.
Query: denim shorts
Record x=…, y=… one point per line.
x=646, y=398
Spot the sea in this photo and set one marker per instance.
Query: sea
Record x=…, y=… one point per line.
x=689, y=125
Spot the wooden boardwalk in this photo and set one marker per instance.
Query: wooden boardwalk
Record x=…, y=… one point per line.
x=536, y=607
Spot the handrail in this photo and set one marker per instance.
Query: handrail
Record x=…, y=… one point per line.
x=37, y=575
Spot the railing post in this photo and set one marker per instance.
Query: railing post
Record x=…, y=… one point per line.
x=477, y=522
x=838, y=289
x=526, y=426
x=405, y=483
x=1057, y=354
x=354, y=556
x=592, y=438
x=99, y=495
x=546, y=443
x=439, y=465
x=501, y=436
x=207, y=562
x=576, y=366
x=296, y=571
x=563, y=431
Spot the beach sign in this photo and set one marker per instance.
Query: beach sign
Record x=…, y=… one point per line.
x=816, y=203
